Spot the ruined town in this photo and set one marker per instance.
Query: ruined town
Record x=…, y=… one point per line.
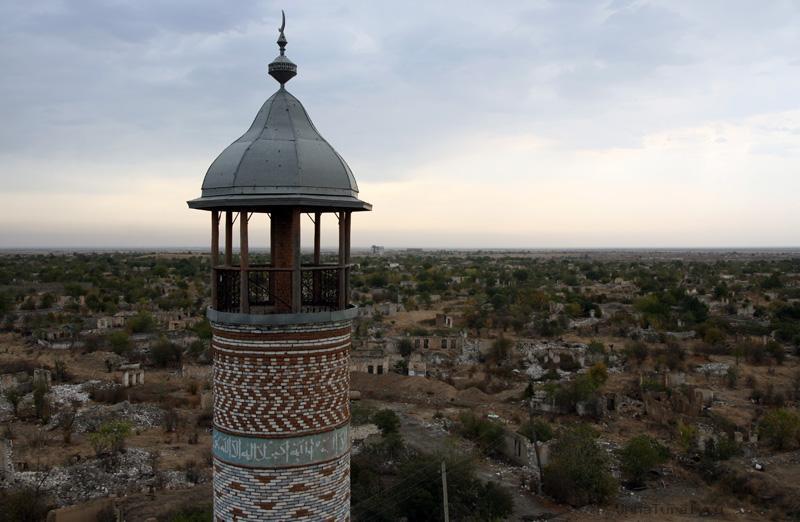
x=567, y=384
x=566, y=285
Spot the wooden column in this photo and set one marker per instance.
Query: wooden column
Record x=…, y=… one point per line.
x=348, y=220
x=342, y=293
x=297, y=262
x=244, y=261
x=316, y=275
x=228, y=238
x=285, y=249
x=317, y=236
x=214, y=255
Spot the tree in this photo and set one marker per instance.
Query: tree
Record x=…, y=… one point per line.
x=27, y=504
x=780, y=429
x=487, y=434
x=165, y=353
x=142, y=322
x=120, y=342
x=637, y=351
x=537, y=429
x=640, y=455
x=578, y=472
x=405, y=347
x=40, y=404
x=110, y=438
x=500, y=350
x=598, y=374
x=469, y=499
x=13, y=396
x=387, y=421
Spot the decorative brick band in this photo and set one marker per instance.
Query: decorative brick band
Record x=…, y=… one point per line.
x=280, y=453
x=277, y=386
x=319, y=492
x=281, y=439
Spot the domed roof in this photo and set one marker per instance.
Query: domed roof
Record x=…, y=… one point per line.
x=281, y=160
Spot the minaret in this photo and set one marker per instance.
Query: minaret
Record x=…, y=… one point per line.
x=281, y=331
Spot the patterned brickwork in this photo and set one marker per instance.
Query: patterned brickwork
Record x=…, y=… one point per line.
x=288, y=384
x=319, y=492
x=281, y=382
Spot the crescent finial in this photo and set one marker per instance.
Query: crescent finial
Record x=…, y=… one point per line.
x=283, y=21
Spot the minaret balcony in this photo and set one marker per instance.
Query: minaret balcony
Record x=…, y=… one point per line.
x=275, y=290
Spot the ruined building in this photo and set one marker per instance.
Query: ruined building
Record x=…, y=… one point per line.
x=281, y=330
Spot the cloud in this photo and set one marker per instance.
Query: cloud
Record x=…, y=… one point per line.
x=107, y=101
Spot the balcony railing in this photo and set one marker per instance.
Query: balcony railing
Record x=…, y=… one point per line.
x=272, y=290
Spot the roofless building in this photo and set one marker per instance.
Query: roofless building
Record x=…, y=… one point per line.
x=281, y=330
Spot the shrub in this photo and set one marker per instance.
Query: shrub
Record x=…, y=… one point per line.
x=541, y=428
x=13, y=397
x=165, y=353
x=598, y=374
x=732, y=377
x=578, y=472
x=640, y=455
x=193, y=514
x=405, y=347
x=26, y=504
x=776, y=351
x=387, y=421
x=687, y=436
x=40, y=403
x=142, y=322
x=722, y=449
x=110, y=438
x=637, y=351
x=780, y=429
x=120, y=342
x=360, y=413
x=487, y=434
x=596, y=347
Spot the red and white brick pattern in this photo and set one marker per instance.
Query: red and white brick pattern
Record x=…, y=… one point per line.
x=278, y=382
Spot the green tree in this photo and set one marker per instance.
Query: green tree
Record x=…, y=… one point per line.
x=780, y=429
x=487, y=434
x=640, y=455
x=598, y=374
x=40, y=403
x=13, y=396
x=165, y=353
x=500, y=350
x=110, y=437
x=142, y=322
x=120, y=342
x=469, y=499
x=405, y=347
x=579, y=470
x=27, y=504
x=687, y=436
x=542, y=429
x=387, y=421
x=637, y=351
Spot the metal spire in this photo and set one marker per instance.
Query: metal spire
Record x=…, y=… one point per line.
x=282, y=68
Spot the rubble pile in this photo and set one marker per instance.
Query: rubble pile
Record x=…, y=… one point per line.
x=713, y=368
x=92, y=479
x=140, y=414
x=64, y=394
x=129, y=471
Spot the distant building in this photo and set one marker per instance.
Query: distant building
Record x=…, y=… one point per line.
x=444, y=321
x=377, y=250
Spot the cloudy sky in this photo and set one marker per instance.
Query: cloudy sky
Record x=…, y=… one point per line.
x=467, y=124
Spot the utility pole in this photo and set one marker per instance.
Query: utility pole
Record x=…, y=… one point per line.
x=444, y=493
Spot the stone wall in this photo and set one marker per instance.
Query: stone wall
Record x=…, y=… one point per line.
x=281, y=421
